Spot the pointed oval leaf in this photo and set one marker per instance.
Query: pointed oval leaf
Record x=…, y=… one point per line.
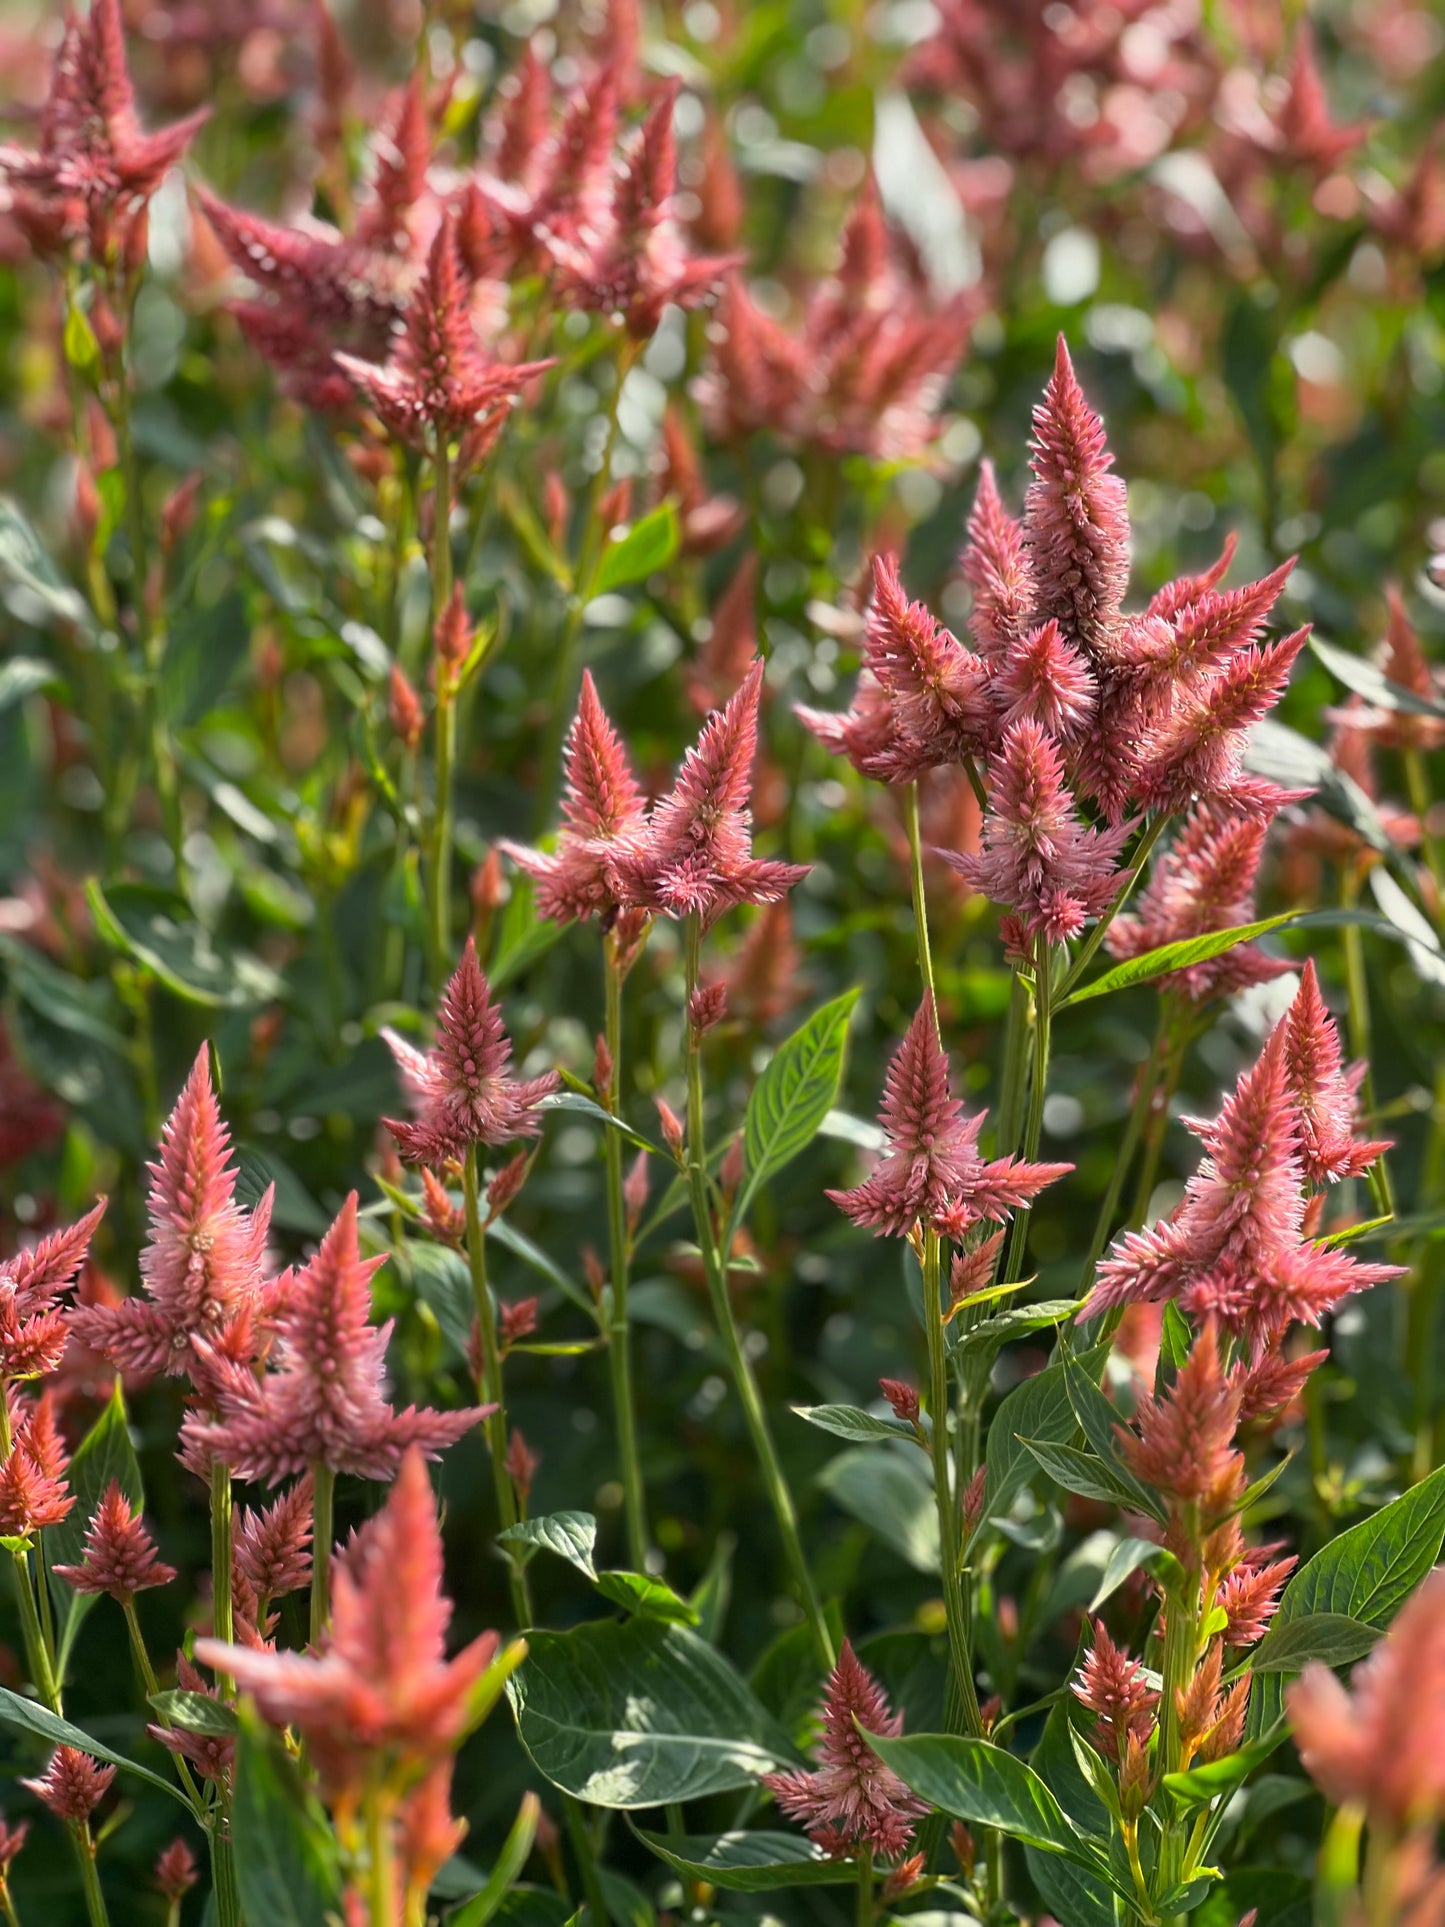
x=1371, y=682
x=287, y=1866
x=986, y=1786
x=650, y=544
x=751, y=1862
x=890, y=1491
x=793, y=1096
x=851, y=1422
x=1174, y=956
x=1335, y=1638
x=571, y=1535
x=48, y=1726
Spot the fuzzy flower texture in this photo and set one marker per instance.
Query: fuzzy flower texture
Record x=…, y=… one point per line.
x=1083, y=717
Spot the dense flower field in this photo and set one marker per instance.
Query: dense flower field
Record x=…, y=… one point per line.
x=722, y=1139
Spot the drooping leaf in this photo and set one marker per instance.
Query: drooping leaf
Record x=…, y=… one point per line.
x=571, y=1535
x=1367, y=679
x=195, y=1712
x=890, y=1491
x=156, y=930
x=649, y=545
x=633, y=1713
x=287, y=1866
x=45, y=1725
x=585, y=1106
x=793, y=1096
x=1204, y=1783
x=640, y=1592
x=850, y=1422
x=1038, y=1409
x=748, y=1862
x=1173, y=956
x=1335, y=1638
x=1082, y=1472
x=1127, y=1556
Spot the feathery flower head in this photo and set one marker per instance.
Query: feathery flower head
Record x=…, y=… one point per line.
x=696, y=855
x=1250, y=1595
x=72, y=1785
x=33, y=1327
x=1203, y=882
x=1197, y=749
x=931, y=1171
x=438, y=387
x=120, y=1555
x=33, y=1490
x=1043, y=679
x=1076, y=519
x=176, y=1871
x=1403, y=663
x=851, y=1799
x=1377, y=1743
x=323, y=1403
x=1323, y=1092
x=1038, y=859
x=12, y=1839
x=995, y=565
x=272, y=1544
x=380, y=1693
x=202, y=1265
x=603, y=811
x=460, y=1088
x=1183, y=1444
x=1116, y=1690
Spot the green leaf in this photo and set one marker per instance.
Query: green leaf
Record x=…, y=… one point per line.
x=1040, y=1410
x=104, y=1455
x=1369, y=681
x=650, y=544
x=1173, y=956
x=632, y=1713
x=986, y=1786
x=195, y=1712
x=1074, y=1894
x=890, y=1491
x=506, y=1234
x=749, y=1863
x=713, y=1592
x=1082, y=1472
x=156, y=929
x=204, y=650
x=994, y=1333
x=22, y=676
x=1365, y=1574
x=793, y=1096
x=82, y=350
x=48, y=1726
x=1127, y=1556
x=571, y=1535
x=639, y=1592
x=1335, y=1638
x=850, y=1422
x=36, y=592
x=1205, y=1783
x=1098, y=1419
x=287, y=1866
x=479, y=1909
x=585, y=1107
x=522, y=936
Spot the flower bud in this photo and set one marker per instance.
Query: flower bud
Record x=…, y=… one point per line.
x=673, y=1135
x=634, y=1192
x=902, y=1398
x=403, y=709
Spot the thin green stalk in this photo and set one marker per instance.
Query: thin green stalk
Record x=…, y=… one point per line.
x=1139, y=1112
x=1038, y=1086
x=865, y=1887
x=381, y=1869
x=1417, y=783
x=223, y=1871
x=619, y=1336
x=1352, y=944
x=323, y=1535
x=152, y=1686
x=738, y=1363
x=223, y=1624
x=89, y=1878
x=920, y=899
x=576, y=1824
x=489, y=1383
x=7, y=1905
x=37, y=1653
x=946, y=1500
x=1090, y=945
x=1014, y=1071
x=446, y=719
x=1177, y=1668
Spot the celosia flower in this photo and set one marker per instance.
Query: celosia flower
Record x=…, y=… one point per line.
x=94, y=163
x=12, y=1839
x=272, y=1545
x=931, y=1172
x=1116, y=1691
x=1323, y=1093
x=1249, y=1595
x=322, y=1403
x=428, y=1832
x=120, y=1555
x=1076, y=521
x=380, y=1693
x=33, y=1490
x=437, y=386
x=1210, y=1716
x=33, y=1328
x=1377, y=1743
x=201, y=1266
x=522, y=1464
x=995, y=565
x=851, y=1799
x=1183, y=1442
x=922, y=702
x=175, y=1871
x=603, y=812
x=902, y=1397
x=1203, y=882
x=1043, y=679
x=1403, y=663
x=209, y=1753
x=1198, y=748
x=1038, y=859
x=404, y=710
x=696, y=856
x=1272, y=1381
x=72, y=1785
x=461, y=1088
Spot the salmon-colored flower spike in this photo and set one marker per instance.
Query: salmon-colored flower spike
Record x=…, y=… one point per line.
x=1376, y=1743
x=1116, y=1690
x=93, y=163
x=381, y=1693
x=272, y=1545
x=33, y=1490
x=1043, y=679
x=1203, y=882
x=176, y=1871
x=438, y=386
x=1403, y=662
x=604, y=814
x=1197, y=750
x=1250, y=1595
x=851, y=1799
x=697, y=855
x=428, y=1833
x=1211, y=1716
x=1076, y=518
x=120, y=1555
x=933, y=688
x=995, y=565
x=12, y=1839
x=72, y=1785
x=1183, y=1441
x=931, y=1172
x=1302, y=132
x=202, y=1265
x=33, y=1326
x=1038, y=859
x=1271, y=1381
x=323, y=1403
x=461, y=1088
x=1325, y=1094
x=209, y=1753
x=402, y=147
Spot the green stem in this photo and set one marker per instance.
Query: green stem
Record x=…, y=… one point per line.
x=446, y=720
x=89, y=1878
x=920, y=900
x=619, y=1337
x=223, y=1872
x=7, y=1905
x=1352, y=944
x=576, y=1824
x=223, y=1624
x=381, y=1871
x=946, y=1500
x=1133, y=1131
x=1038, y=1085
x=1013, y=1075
x=1417, y=783
x=865, y=1887
x=37, y=1653
x=714, y=1267
x=1180, y=1644
x=1096, y=936
x=323, y=1534
x=489, y=1383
